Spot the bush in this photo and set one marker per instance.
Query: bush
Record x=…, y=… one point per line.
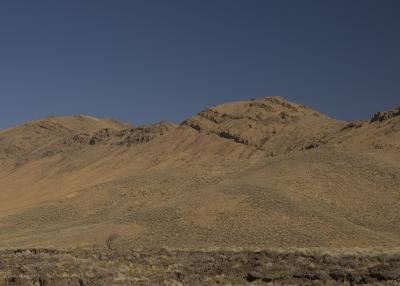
x=110, y=240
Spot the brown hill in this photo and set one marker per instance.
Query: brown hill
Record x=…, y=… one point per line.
x=270, y=124
x=46, y=137
x=257, y=173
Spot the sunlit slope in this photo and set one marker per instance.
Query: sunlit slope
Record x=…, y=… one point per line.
x=262, y=173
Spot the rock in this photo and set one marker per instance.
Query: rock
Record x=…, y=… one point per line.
x=385, y=115
x=102, y=135
x=352, y=125
x=144, y=134
x=81, y=138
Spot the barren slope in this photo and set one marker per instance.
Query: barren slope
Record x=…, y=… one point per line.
x=262, y=173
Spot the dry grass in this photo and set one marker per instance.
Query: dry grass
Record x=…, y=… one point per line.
x=185, y=267
x=261, y=173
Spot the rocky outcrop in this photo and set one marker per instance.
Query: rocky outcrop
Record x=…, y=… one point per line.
x=82, y=138
x=102, y=135
x=128, y=137
x=144, y=134
x=385, y=115
x=352, y=125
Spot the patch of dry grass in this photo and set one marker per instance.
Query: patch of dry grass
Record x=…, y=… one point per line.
x=203, y=267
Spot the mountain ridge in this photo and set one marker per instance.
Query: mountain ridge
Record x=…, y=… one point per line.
x=264, y=172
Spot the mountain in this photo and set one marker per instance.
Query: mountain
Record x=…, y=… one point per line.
x=270, y=124
x=257, y=173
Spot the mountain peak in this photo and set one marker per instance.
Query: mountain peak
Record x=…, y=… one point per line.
x=263, y=123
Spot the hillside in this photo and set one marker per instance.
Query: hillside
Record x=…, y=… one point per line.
x=257, y=173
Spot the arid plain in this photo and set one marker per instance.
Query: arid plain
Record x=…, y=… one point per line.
x=257, y=174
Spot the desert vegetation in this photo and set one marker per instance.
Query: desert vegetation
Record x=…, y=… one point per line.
x=202, y=267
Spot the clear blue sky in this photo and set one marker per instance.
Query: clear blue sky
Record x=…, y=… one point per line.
x=146, y=61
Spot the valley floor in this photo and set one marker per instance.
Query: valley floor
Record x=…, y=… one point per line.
x=201, y=267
